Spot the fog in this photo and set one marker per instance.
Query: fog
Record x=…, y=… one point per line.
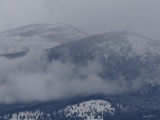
x=33, y=78
x=91, y=16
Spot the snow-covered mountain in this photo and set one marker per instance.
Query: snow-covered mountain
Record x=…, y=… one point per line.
x=122, y=43
x=121, y=53
x=38, y=35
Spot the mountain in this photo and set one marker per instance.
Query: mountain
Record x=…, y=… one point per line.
x=123, y=55
x=38, y=35
x=124, y=43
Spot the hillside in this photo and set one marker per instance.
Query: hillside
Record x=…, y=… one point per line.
x=44, y=36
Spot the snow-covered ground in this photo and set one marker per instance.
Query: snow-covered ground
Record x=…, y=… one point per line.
x=89, y=110
x=24, y=116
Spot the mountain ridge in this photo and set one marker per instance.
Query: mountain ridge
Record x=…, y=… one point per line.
x=37, y=35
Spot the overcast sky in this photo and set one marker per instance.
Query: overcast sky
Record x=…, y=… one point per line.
x=91, y=16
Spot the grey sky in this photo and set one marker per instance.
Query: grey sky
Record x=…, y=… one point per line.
x=91, y=16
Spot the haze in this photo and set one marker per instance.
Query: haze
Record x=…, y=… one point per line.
x=91, y=16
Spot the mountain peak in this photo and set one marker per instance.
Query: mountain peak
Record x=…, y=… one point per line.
x=38, y=35
x=39, y=28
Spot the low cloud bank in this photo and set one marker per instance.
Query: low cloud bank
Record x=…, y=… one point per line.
x=33, y=78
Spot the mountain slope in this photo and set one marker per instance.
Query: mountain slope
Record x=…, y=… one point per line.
x=120, y=53
x=123, y=43
x=39, y=35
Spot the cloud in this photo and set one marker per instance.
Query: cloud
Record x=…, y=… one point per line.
x=33, y=78
x=3, y=14
x=23, y=12
x=1, y=4
x=57, y=2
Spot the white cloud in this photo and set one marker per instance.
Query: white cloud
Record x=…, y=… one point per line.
x=34, y=78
